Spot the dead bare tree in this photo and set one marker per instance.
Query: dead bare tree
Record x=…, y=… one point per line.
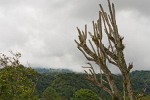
x=101, y=53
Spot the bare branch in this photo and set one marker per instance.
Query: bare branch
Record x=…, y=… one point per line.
x=10, y=61
x=92, y=46
x=101, y=53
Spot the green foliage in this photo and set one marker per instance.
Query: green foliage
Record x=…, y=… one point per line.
x=19, y=83
x=63, y=87
x=50, y=94
x=44, y=81
x=139, y=79
x=85, y=94
x=16, y=83
x=68, y=83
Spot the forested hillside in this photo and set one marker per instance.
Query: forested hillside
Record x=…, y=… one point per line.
x=66, y=82
x=61, y=84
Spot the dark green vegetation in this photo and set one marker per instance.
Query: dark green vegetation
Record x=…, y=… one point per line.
x=67, y=83
x=50, y=93
x=49, y=84
x=85, y=94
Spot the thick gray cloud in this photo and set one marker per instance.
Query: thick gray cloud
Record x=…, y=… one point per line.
x=44, y=30
x=138, y=5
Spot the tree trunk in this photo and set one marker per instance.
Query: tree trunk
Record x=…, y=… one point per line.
x=128, y=86
x=115, y=93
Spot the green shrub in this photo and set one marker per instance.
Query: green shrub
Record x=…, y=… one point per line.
x=50, y=94
x=85, y=94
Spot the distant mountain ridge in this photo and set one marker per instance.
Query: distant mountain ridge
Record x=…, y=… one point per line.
x=52, y=70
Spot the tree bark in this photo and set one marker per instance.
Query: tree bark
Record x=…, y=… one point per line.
x=115, y=93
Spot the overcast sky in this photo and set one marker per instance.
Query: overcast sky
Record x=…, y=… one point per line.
x=43, y=31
